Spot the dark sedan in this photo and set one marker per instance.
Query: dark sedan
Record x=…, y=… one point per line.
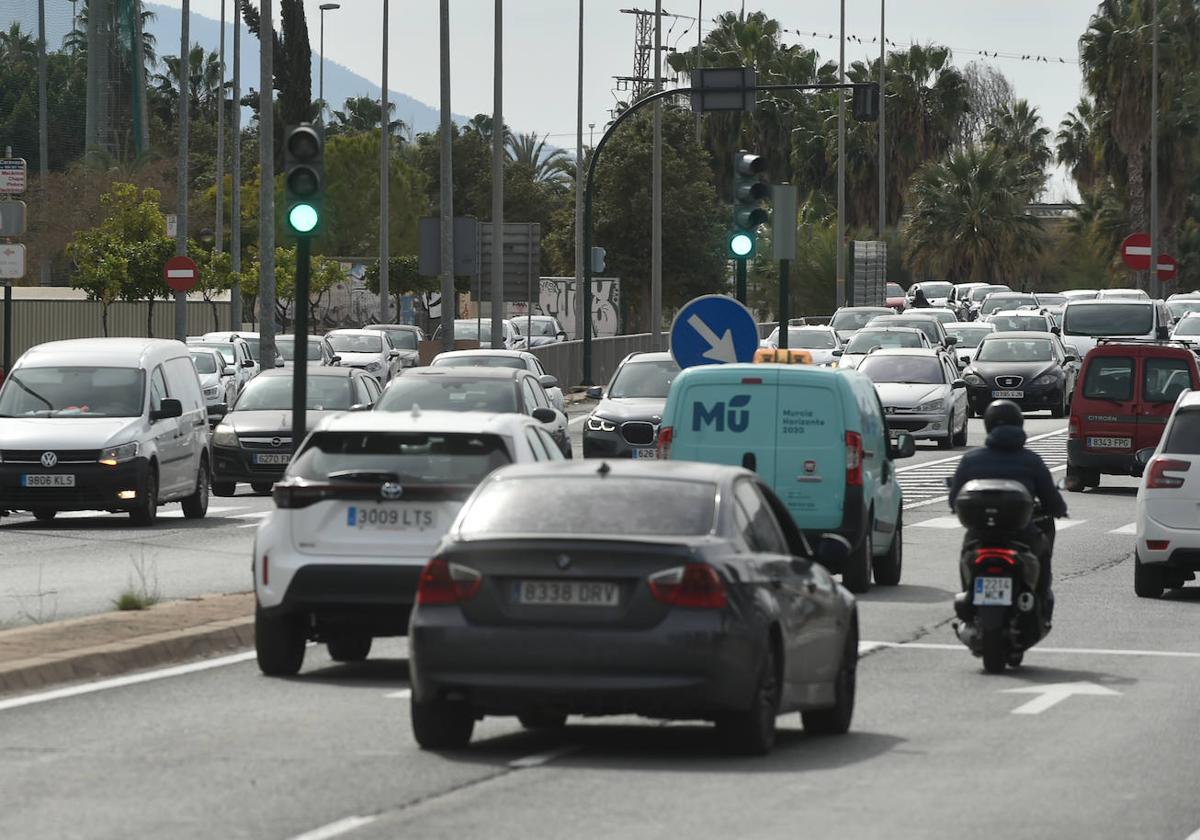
x=1030, y=368
x=675, y=590
x=625, y=422
x=254, y=442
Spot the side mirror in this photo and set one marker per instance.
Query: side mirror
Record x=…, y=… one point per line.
x=833, y=551
x=1143, y=456
x=561, y=335
x=958, y=384
x=361, y=407
x=335, y=360
x=545, y=415
x=1072, y=357
x=167, y=409
x=1056, y=330
x=902, y=446
x=548, y=381
x=838, y=353
x=249, y=363
x=217, y=411
x=226, y=370
x=951, y=340
x=595, y=392
x=393, y=354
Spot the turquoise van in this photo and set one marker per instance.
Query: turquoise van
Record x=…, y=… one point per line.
x=816, y=436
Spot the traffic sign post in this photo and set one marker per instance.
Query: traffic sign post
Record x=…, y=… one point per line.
x=1135, y=251
x=181, y=274
x=713, y=330
x=12, y=176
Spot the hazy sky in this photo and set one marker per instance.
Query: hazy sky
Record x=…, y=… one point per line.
x=541, y=44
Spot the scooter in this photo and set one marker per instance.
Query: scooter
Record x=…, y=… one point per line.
x=1000, y=615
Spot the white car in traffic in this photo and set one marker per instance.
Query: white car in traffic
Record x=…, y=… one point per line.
x=516, y=359
x=217, y=381
x=369, y=350
x=820, y=342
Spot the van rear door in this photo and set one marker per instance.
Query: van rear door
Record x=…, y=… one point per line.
x=1108, y=408
x=810, y=438
x=1162, y=378
x=727, y=415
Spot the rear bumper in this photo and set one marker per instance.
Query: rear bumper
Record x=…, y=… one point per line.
x=96, y=487
x=1116, y=462
x=237, y=464
x=1183, y=545
x=376, y=598
x=690, y=665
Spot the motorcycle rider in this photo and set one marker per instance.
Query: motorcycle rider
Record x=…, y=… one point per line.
x=1005, y=457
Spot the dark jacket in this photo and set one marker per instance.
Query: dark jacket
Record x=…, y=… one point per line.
x=919, y=300
x=1005, y=457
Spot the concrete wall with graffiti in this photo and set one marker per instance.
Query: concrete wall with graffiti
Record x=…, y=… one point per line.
x=557, y=297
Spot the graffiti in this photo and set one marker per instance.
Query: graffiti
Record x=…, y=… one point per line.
x=556, y=296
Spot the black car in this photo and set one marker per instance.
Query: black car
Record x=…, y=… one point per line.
x=254, y=442
x=497, y=390
x=1030, y=368
x=625, y=422
x=673, y=590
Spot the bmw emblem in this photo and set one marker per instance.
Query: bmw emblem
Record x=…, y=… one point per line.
x=563, y=562
x=49, y=459
x=391, y=491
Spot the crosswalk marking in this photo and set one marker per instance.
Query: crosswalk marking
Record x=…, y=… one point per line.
x=951, y=523
x=926, y=482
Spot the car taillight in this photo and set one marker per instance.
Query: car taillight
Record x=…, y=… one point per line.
x=1073, y=427
x=288, y=496
x=1157, y=478
x=443, y=583
x=854, y=460
x=1158, y=545
x=695, y=586
x=665, y=434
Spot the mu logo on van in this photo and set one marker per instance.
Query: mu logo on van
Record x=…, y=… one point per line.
x=735, y=416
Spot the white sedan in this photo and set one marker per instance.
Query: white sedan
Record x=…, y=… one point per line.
x=516, y=359
x=821, y=342
x=370, y=350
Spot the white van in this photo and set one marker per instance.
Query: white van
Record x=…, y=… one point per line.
x=115, y=424
x=1085, y=322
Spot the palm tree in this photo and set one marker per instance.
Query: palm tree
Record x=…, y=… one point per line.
x=548, y=165
x=481, y=124
x=1074, y=144
x=16, y=46
x=205, y=87
x=362, y=113
x=1017, y=128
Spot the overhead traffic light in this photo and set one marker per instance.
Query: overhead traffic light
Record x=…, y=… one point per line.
x=749, y=192
x=303, y=179
x=865, y=104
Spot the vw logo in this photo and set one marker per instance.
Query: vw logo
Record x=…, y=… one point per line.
x=563, y=562
x=391, y=491
x=276, y=442
x=49, y=459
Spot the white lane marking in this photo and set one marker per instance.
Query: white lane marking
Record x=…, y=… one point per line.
x=947, y=523
x=1129, y=529
x=542, y=758
x=1169, y=654
x=1064, y=524
x=578, y=419
x=1049, y=696
x=336, y=829
x=402, y=694
x=178, y=513
x=867, y=647
x=926, y=502
x=1195, y=835
x=120, y=682
x=251, y=525
x=258, y=514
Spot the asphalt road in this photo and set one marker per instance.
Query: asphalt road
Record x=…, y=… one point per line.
x=938, y=749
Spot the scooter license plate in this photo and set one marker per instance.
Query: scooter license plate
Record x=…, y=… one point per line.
x=993, y=592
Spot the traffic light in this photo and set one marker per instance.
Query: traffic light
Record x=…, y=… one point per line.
x=749, y=191
x=303, y=179
x=866, y=103
x=598, y=260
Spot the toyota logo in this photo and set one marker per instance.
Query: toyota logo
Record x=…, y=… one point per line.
x=49, y=459
x=563, y=562
x=276, y=442
x=391, y=491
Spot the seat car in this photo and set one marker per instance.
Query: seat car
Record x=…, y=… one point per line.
x=540, y=330
x=1167, y=550
x=815, y=435
x=253, y=444
x=320, y=351
x=870, y=339
x=850, y=319
x=513, y=359
x=1030, y=368
x=406, y=339
x=921, y=394
x=113, y=424
x=217, y=381
x=626, y=420
x=1021, y=320
x=969, y=334
x=358, y=515
x=895, y=297
x=820, y=342
x=495, y=390
x=996, y=301
x=1085, y=322
x=1126, y=392
x=936, y=292
x=236, y=353
x=369, y=350
x=665, y=590
x=470, y=329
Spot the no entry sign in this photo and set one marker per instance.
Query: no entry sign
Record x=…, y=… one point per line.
x=1135, y=250
x=1167, y=267
x=181, y=274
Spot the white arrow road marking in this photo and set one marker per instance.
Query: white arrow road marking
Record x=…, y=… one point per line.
x=336, y=829
x=1129, y=529
x=720, y=349
x=1050, y=696
x=402, y=694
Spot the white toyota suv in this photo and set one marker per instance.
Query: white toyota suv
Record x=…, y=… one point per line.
x=359, y=513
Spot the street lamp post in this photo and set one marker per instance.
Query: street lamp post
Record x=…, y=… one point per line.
x=1152, y=283
x=324, y=7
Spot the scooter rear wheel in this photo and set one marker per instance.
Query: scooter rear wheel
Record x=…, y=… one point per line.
x=993, y=651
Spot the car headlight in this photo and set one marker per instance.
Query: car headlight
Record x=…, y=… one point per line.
x=974, y=379
x=932, y=405
x=211, y=392
x=374, y=366
x=224, y=436
x=1046, y=379
x=119, y=454
x=596, y=423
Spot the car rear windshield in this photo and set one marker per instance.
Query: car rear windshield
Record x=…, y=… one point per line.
x=1006, y=301
x=1109, y=319
x=969, y=336
x=914, y=370
x=356, y=343
x=854, y=319
x=274, y=393
x=439, y=393
x=513, y=362
x=1019, y=323
x=1179, y=308
x=865, y=340
x=592, y=506
x=402, y=339
x=1187, y=326
x=983, y=291
x=1050, y=300
x=929, y=326
x=946, y=316
x=811, y=338
x=204, y=362
x=1014, y=350
x=643, y=380
x=936, y=290
x=1165, y=379
x=1183, y=438
x=286, y=345
x=72, y=392
x=224, y=348
x=406, y=457
x=1109, y=378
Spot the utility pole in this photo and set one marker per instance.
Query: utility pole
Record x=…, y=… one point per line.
x=326, y=7
x=219, y=230
x=882, y=136
x=449, y=310
x=580, y=313
x=699, y=61
x=266, y=188
x=181, y=229
x=235, y=199
x=385, y=254
x=657, y=202
x=498, y=183
x=841, y=165
x=1153, y=285
x=43, y=141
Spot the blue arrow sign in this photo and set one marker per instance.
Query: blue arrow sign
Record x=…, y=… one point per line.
x=713, y=330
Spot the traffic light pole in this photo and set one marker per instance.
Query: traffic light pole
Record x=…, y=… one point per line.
x=741, y=280
x=785, y=293
x=300, y=354
x=587, y=196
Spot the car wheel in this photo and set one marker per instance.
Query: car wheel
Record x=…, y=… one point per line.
x=195, y=506
x=278, y=643
x=857, y=575
x=542, y=720
x=1075, y=480
x=960, y=437
x=223, y=489
x=947, y=442
x=752, y=731
x=1147, y=580
x=441, y=724
x=146, y=513
x=349, y=647
x=888, y=568
x=836, y=720
x=262, y=488
x=45, y=515
x=1060, y=411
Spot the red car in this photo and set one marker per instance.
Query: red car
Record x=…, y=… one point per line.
x=895, y=297
x=1124, y=397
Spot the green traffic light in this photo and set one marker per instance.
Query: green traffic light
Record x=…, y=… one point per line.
x=741, y=245
x=303, y=218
